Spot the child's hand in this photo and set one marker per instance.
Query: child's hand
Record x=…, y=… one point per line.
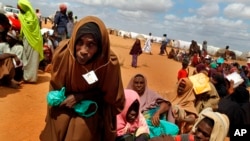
x=126, y=129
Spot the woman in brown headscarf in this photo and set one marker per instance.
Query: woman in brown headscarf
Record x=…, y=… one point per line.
x=183, y=105
x=135, y=52
x=88, y=70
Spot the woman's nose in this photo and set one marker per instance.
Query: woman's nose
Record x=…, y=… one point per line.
x=138, y=85
x=84, y=49
x=83, y=52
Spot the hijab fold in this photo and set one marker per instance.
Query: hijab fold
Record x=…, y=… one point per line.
x=221, y=124
x=30, y=27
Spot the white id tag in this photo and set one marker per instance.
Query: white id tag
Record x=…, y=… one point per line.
x=90, y=77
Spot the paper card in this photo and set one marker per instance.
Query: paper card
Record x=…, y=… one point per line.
x=90, y=77
x=200, y=83
x=236, y=78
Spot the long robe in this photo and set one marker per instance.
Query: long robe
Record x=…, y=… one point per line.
x=147, y=45
x=32, y=41
x=63, y=124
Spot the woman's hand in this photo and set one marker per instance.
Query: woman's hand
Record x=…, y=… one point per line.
x=69, y=102
x=231, y=87
x=190, y=119
x=156, y=119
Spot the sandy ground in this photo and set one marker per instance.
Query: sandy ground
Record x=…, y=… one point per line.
x=23, y=111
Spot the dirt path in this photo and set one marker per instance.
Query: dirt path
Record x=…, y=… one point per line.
x=23, y=111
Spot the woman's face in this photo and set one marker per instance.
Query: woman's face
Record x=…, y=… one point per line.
x=181, y=87
x=131, y=116
x=133, y=111
x=86, y=48
x=203, y=131
x=139, y=85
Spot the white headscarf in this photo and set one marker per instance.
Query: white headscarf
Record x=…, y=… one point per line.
x=221, y=124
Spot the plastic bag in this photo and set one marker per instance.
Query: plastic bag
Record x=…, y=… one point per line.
x=56, y=97
x=82, y=107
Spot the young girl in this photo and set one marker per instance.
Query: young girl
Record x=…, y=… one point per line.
x=135, y=52
x=184, y=71
x=130, y=122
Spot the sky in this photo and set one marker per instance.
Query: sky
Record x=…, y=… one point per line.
x=219, y=22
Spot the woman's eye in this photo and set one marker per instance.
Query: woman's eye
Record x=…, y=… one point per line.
x=92, y=44
x=79, y=43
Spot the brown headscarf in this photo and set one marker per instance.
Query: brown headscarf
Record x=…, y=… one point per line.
x=187, y=99
x=107, y=92
x=66, y=71
x=136, y=48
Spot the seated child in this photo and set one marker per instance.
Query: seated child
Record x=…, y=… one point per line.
x=130, y=122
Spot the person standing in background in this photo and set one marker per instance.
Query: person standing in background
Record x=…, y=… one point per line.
x=75, y=19
x=204, y=50
x=70, y=24
x=32, y=41
x=147, y=45
x=60, y=22
x=227, y=53
x=135, y=52
x=164, y=43
x=39, y=16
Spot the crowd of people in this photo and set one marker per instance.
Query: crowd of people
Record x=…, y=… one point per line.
x=26, y=50
x=25, y=47
x=87, y=99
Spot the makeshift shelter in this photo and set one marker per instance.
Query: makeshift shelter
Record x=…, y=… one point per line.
x=221, y=53
x=140, y=37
